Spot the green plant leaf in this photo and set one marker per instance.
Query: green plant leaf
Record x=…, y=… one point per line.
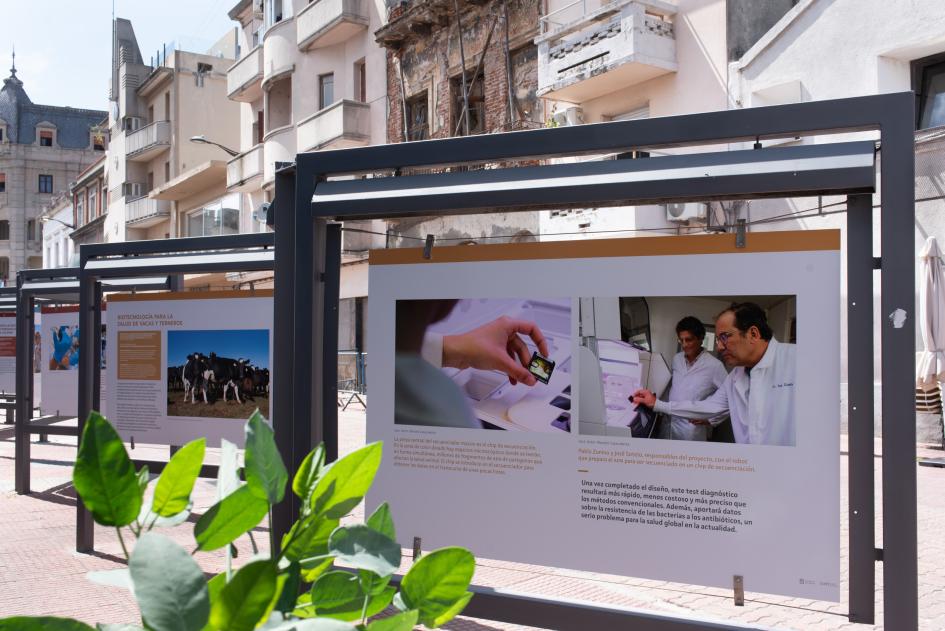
x=344, y=482
x=309, y=471
x=144, y=477
x=228, y=478
x=42, y=623
x=339, y=595
x=265, y=472
x=290, y=590
x=308, y=537
x=365, y=549
x=247, y=599
x=118, y=627
x=104, y=476
x=382, y=521
x=317, y=624
x=436, y=585
x=314, y=567
x=229, y=518
x=169, y=585
x=146, y=516
x=173, y=489
x=405, y=621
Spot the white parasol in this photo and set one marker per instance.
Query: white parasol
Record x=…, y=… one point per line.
x=930, y=363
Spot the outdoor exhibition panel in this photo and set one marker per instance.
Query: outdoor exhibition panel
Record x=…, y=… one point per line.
x=187, y=364
x=55, y=355
x=677, y=510
x=7, y=351
x=59, y=360
x=316, y=191
x=104, y=263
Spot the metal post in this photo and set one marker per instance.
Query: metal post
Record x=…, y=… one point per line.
x=900, y=547
x=462, y=56
x=860, y=407
x=85, y=527
x=331, y=281
x=284, y=513
x=24, y=387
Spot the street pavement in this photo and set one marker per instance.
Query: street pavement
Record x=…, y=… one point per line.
x=41, y=574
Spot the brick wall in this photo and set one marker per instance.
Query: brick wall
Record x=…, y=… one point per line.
x=421, y=41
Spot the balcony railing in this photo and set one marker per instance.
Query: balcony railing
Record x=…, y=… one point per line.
x=341, y=124
x=244, y=78
x=328, y=22
x=244, y=168
x=148, y=141
x=144, y=212
x=588, y=49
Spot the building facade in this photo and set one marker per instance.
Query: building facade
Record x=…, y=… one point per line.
x=89, y=204
x=456, y=73
x=58, y=248
x=162, y=183
x=309, y=77
x=42, y=149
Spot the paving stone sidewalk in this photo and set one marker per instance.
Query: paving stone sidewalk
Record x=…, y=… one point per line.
x=41, y=574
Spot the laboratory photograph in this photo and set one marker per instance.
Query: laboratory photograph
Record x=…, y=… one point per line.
x=697, y=368
x=484, y=363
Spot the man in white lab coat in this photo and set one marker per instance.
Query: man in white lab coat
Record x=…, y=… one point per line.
x=759, y=393
x=696, y=375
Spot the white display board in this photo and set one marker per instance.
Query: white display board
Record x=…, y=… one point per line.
x=58, y=362
x=149, y=340
x=586, y=493
x=7, y=352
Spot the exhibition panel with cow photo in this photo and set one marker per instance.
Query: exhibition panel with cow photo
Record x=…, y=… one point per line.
x=188, y=364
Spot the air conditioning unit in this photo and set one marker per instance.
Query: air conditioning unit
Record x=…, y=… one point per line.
x=695, y=212
x=132, y=189
x=569, y=117
x=133, y=123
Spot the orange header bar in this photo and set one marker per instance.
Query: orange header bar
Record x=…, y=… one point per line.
x=192, y=295
x=782, y=241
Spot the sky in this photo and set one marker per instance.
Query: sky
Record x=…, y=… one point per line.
x=251, y=344
x=65, y=57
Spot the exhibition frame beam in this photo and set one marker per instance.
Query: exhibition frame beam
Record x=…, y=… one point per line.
x=49, y=286
x=306, y=273
x=102, y=263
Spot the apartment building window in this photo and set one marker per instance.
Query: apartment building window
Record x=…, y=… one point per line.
x=80, y=207
x=928, y=82
x=150, y=183
x=202, y=71
x=3, y=182
x=360, y=81
x=418, y=126
x=31, y=230
x=213, y=221
x=326, y=90
x=45, y=183
x=151, y=113
x=167, y=105
x=1, y=134
x=4, y=230
x=4, y=269
x=167, y=172
x=46, y=138
x=477, y=105
x=93, y=202
x=97, y=139
x=275, y=11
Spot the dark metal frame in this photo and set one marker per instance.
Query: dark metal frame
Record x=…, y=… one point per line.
x=307, y=276
x=56, y=286
x=138, y=259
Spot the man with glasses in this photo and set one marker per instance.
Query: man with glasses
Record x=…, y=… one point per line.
x=696, y=375
x=758, y=393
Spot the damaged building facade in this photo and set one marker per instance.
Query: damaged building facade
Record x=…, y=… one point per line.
x=429, y=44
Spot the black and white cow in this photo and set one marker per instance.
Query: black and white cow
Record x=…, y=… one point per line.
x=229, y=373
x=262, y=381
x=194, y=374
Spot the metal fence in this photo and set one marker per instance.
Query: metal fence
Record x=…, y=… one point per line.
x=352, y=385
